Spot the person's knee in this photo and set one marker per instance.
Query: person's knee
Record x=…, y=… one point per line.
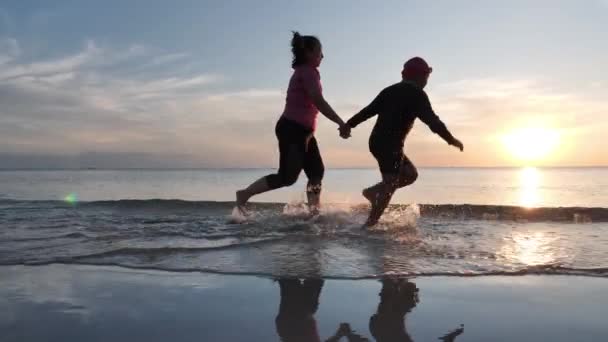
x=282, y=179
x=391, y=182
x=289, y=179
x=274, y=181
x=408, y=178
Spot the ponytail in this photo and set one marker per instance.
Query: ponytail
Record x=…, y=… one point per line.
x=300, y=45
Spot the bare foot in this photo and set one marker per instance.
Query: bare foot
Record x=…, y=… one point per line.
x=241, y=198
x=370, y=222
x=369, y=195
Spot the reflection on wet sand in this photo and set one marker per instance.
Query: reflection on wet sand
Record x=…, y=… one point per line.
x=91, y=303
x=300, y=300
x=397, y=298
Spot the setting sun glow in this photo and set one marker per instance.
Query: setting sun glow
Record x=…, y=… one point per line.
x=531, y=144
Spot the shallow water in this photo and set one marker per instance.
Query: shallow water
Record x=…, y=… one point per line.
x=284, y=240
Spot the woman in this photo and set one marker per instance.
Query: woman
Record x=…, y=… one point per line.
x=295, y=129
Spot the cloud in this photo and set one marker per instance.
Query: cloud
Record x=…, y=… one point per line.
x=130, y=105
x=9, y=49
x=249, y=93
x=482, y=110
x=167, y=59
x=44, y=68
x=88, y=103
x=500, y=103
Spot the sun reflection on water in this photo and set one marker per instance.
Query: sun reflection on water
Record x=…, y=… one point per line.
x=529, y=180
x=533, y=248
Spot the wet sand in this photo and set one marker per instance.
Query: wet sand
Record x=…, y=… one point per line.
x=87, y=303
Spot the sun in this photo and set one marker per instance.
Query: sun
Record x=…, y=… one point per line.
x=531, y=144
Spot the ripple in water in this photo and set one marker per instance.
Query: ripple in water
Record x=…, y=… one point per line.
x=285, y=240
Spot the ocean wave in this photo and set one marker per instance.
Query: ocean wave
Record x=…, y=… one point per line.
x=46, y=238
x=164, y=251
x=449, y=211
x=277, y=239
x=549, y=269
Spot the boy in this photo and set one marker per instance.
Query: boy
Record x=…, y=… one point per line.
x=397, y=107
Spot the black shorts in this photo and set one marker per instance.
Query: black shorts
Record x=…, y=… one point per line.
x=391, y=160
x=298, y=151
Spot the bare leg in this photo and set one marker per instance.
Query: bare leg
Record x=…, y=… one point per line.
x=372, y=192
x=257, y=187
x=369, y=194
x=379, y=196
x=314, y=170
x=313, y=193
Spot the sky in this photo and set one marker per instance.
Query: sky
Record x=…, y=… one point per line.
x=201, y=83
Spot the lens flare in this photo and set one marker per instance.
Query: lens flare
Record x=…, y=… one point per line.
x=71, y=198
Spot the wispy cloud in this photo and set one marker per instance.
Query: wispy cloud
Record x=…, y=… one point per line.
x=481, y=111
x=78, y=104
x=46, y=68
x=499, y=103
x=9, y=49
x=132, y=104
x=167, y=59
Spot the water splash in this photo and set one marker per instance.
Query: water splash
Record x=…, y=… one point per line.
x=238, y=215
x=402, y=218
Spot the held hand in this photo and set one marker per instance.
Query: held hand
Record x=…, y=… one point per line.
x=458, y=144
x=344, y=131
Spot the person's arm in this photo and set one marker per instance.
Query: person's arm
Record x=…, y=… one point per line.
x=312, y=85
x=428, y=116
x=326, y=109
x=366, y=113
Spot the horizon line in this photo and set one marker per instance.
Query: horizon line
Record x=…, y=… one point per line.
x=270, y=168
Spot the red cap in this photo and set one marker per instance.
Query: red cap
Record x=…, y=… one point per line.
x=415, y=68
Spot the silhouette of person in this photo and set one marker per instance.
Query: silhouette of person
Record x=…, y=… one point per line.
x=295, y=321
x=397, y=298
x=295, y=130
x=397, y=107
